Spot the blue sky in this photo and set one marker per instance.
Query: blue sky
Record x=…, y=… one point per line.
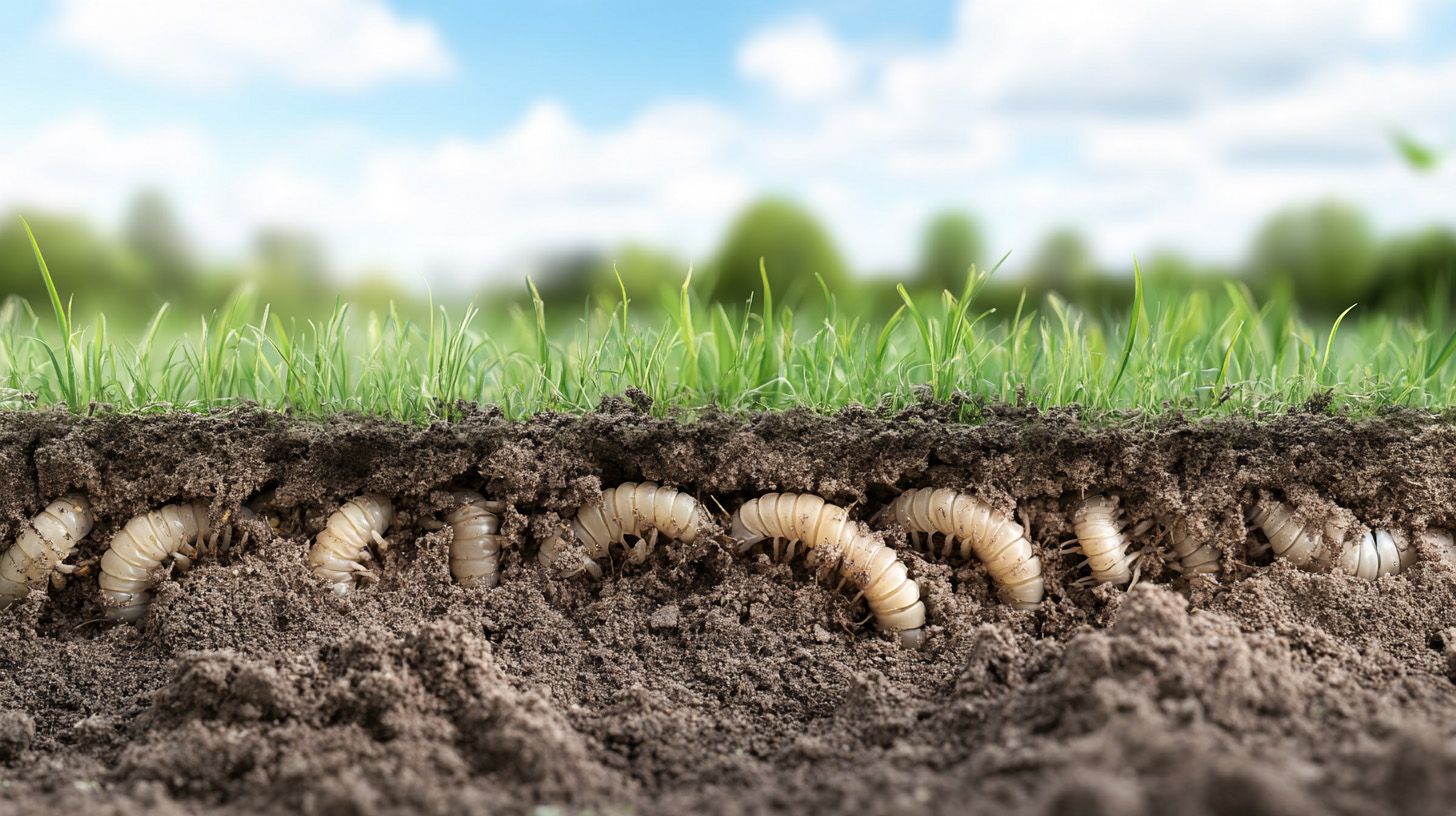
x=460, y=140
x=604, y=59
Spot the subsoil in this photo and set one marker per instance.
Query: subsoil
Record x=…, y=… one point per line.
x=706, y=682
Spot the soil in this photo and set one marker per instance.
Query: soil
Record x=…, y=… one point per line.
x=704, y=682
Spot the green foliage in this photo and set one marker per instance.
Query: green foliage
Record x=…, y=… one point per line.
x=378, y=291
x=951, y=246
x=946, y=338
x=1418, y=155
x=291, y=265
x=112, y=275
x=794, y=249
x=65, y=374
x=154, y=236
x=1326, y=252
x=1319, y=256
x=1412, y=266
x=1064, y=263
x=1199, y=351
x=129, y=275
x=635, y=267
x=1135, y=319
x=792, y=329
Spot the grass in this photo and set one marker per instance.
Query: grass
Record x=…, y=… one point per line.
x=1195, y=352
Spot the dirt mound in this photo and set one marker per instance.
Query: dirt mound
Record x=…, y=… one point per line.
x=426, y=721
x=707, y=682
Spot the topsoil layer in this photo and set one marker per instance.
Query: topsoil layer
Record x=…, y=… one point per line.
x=705, y=682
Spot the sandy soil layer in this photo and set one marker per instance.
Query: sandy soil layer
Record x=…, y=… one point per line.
x=706, y=682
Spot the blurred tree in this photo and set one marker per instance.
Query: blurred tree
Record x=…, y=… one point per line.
x=291, y=271
x=564, y=278
x=952, y=245
x=794, y=248
x=646, y=271
x=101, y=274
x=1064, y=263
x=1411, y=267
x=152, y=233
x=376, y=290
x=1170, y=270
x=1326, y=252
x=216, y=283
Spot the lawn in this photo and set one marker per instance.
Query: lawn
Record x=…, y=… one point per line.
x=1199, y=352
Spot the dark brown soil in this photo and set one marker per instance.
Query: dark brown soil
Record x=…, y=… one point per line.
x=708, y=683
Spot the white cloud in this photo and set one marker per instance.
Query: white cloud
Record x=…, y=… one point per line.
x=1146, y=124
x=326, y=44
x=466, y=206
x=1149, y=56
x=800, y=60
x=1167, y=123
x=80, y=162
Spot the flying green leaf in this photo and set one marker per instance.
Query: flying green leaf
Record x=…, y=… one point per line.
x=1416, y=154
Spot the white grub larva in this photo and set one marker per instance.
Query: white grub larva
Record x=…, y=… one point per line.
x=1368, y=555
x=641, y=510
x=340, y=550
x=1195, y=557
x=475, y=548
x=835, y=543
x=1376, y=553
x=1290, y=539
x=43, y=546
x=131, y=561
x=1100, y=526
x=991, y=535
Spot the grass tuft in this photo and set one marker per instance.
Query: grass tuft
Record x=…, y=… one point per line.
x=1200, y=352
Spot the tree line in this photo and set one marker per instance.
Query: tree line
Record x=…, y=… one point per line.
x=1327, y=255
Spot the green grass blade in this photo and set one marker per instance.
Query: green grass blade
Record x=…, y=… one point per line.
x=1447, y=349
x=1330, y=343
x=66, y=374
x=1135, y=315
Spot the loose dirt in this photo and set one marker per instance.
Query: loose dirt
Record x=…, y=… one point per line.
x=703, y=682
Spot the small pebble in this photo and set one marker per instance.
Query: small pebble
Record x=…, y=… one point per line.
x=95, y=727
x=666, y=617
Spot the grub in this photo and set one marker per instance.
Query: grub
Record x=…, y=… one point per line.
x=700, y=681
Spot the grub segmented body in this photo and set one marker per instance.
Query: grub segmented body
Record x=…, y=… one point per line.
x=1376, y=553
x=340, y=550
x=1292, y=540
x=1195, y=556
x=475, y=548
x=133, y=558
x=835, y=543
x=43, y=546
x=642, y=510
x=1369, y=555
x=1101, y=530
x=980, y=529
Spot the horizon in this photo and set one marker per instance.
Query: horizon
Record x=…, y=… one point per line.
x=456, y=146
